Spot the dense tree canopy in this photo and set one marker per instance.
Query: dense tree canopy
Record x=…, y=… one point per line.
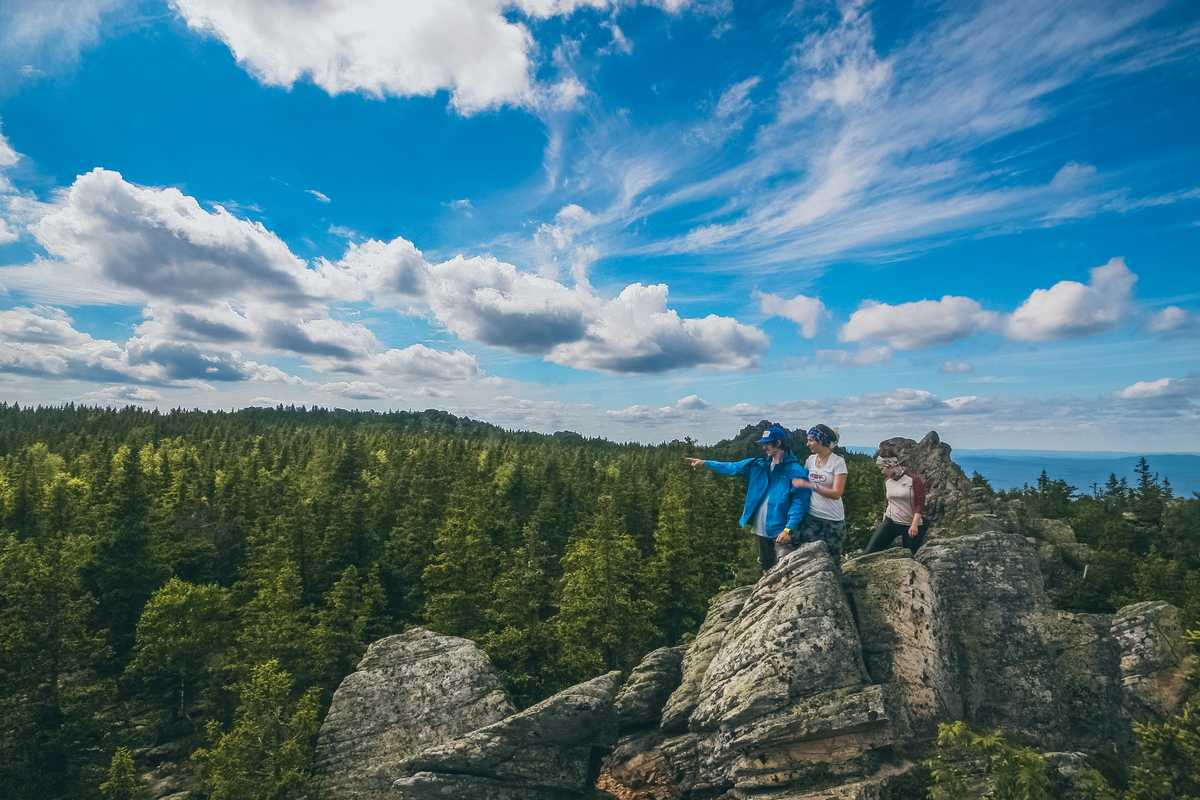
x=211, y=577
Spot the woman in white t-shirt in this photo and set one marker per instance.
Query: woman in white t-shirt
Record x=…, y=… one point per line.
x=826, y=520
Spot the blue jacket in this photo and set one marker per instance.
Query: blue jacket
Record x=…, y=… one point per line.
x=786, y=506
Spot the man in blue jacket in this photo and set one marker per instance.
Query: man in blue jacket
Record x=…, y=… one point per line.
x=773, y=506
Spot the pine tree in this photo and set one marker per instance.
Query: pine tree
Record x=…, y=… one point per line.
x=604, y=619
x=267, y=753
x=675, y=575
x=121, y=781
x=182, y=638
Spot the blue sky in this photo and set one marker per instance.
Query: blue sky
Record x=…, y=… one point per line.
x=636, y=219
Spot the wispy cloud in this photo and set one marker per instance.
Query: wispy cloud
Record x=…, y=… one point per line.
x=877, y=154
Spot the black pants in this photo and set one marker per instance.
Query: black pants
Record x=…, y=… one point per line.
x=889, y=529
x=766, y=552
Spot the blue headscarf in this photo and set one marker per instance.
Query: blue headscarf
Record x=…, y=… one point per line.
x=822, y=434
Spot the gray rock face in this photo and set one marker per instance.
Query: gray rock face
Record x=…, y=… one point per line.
x=640, y=701
x=410, y=691
x=682, y=702
x=548, y=751
x=1154, y=662
x=793, y=695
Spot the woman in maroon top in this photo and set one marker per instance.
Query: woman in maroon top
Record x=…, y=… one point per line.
x=905, y=512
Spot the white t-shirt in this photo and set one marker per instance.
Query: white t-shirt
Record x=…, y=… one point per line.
x=823, y=475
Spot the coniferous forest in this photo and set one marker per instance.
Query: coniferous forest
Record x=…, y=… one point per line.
x=207, y=579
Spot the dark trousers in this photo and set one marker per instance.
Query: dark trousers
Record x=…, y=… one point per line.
x=766, y=552
x=889, y=529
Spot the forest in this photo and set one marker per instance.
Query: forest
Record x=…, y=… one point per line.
x=204, y=580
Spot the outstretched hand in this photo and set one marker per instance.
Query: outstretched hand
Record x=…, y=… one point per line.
x=693, y=462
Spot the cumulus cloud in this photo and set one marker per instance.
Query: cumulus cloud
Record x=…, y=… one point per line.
x=1070, y=308
x=911, y=400
x=920, y=324
x=161, y=243
x=1155, y=389
x=489, y=301
x=120, y=395
x=1172, y=319
x=39, y=325
x=473, y=49
x=644, y=414
x=41, y=341
x=807, y=312
x=419, y=361
x=637, y=333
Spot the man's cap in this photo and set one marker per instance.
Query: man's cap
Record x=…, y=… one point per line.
x=775, y=433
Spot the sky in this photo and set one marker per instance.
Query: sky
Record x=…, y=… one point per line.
x=636, y=219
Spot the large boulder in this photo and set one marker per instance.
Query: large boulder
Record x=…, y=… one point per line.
x=550, y=751
x=410, y=691
x=640, y=701
x=723, y=609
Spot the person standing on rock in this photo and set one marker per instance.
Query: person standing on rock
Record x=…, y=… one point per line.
x=826, y=520
x=773, y=506
x=905, y=512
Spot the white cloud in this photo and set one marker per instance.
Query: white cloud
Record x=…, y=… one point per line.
x=807, y=312
x=473, y=49
x=911, y=400
x=735, y=101
x=920, y=324
x=321, y=196
x=636, y=333
x=874, y=154
x=968, y=404
x=120, y=395
x=1147, y=390
x=356, y=390
x=685, y=406
x=1072, y=175
x=377, y=47
x=1070, y=308
x=489, y=301
x=45, y=35
x=956, y=367
x=419, y=361
x=159, y=243
x=1172, y=319
x=8, y=156
x=863, y=357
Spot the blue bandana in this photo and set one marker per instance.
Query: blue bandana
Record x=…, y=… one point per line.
x=821, y=434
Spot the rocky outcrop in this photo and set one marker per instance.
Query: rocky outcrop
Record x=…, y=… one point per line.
x=410, y=692
x=793, y=689
x=1155, y=663
x=815, y=682
x=547, y=752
